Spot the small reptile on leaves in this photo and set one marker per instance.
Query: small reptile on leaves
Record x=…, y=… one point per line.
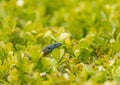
x=50, y=48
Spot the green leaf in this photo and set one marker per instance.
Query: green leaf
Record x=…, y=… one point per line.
x=107, y=27
x=84, y=55
x=115, y=46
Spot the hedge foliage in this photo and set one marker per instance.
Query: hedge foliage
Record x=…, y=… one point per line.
x=89, y=31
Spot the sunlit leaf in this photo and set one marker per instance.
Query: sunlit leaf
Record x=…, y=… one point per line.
x=88, y=32
x=115, y=46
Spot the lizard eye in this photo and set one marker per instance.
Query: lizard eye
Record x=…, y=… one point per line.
x=55, y=45
x=49, y=48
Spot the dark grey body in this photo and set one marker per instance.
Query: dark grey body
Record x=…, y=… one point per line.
x=50, y=48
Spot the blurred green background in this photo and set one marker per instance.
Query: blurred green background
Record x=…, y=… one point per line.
x=89, y=31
